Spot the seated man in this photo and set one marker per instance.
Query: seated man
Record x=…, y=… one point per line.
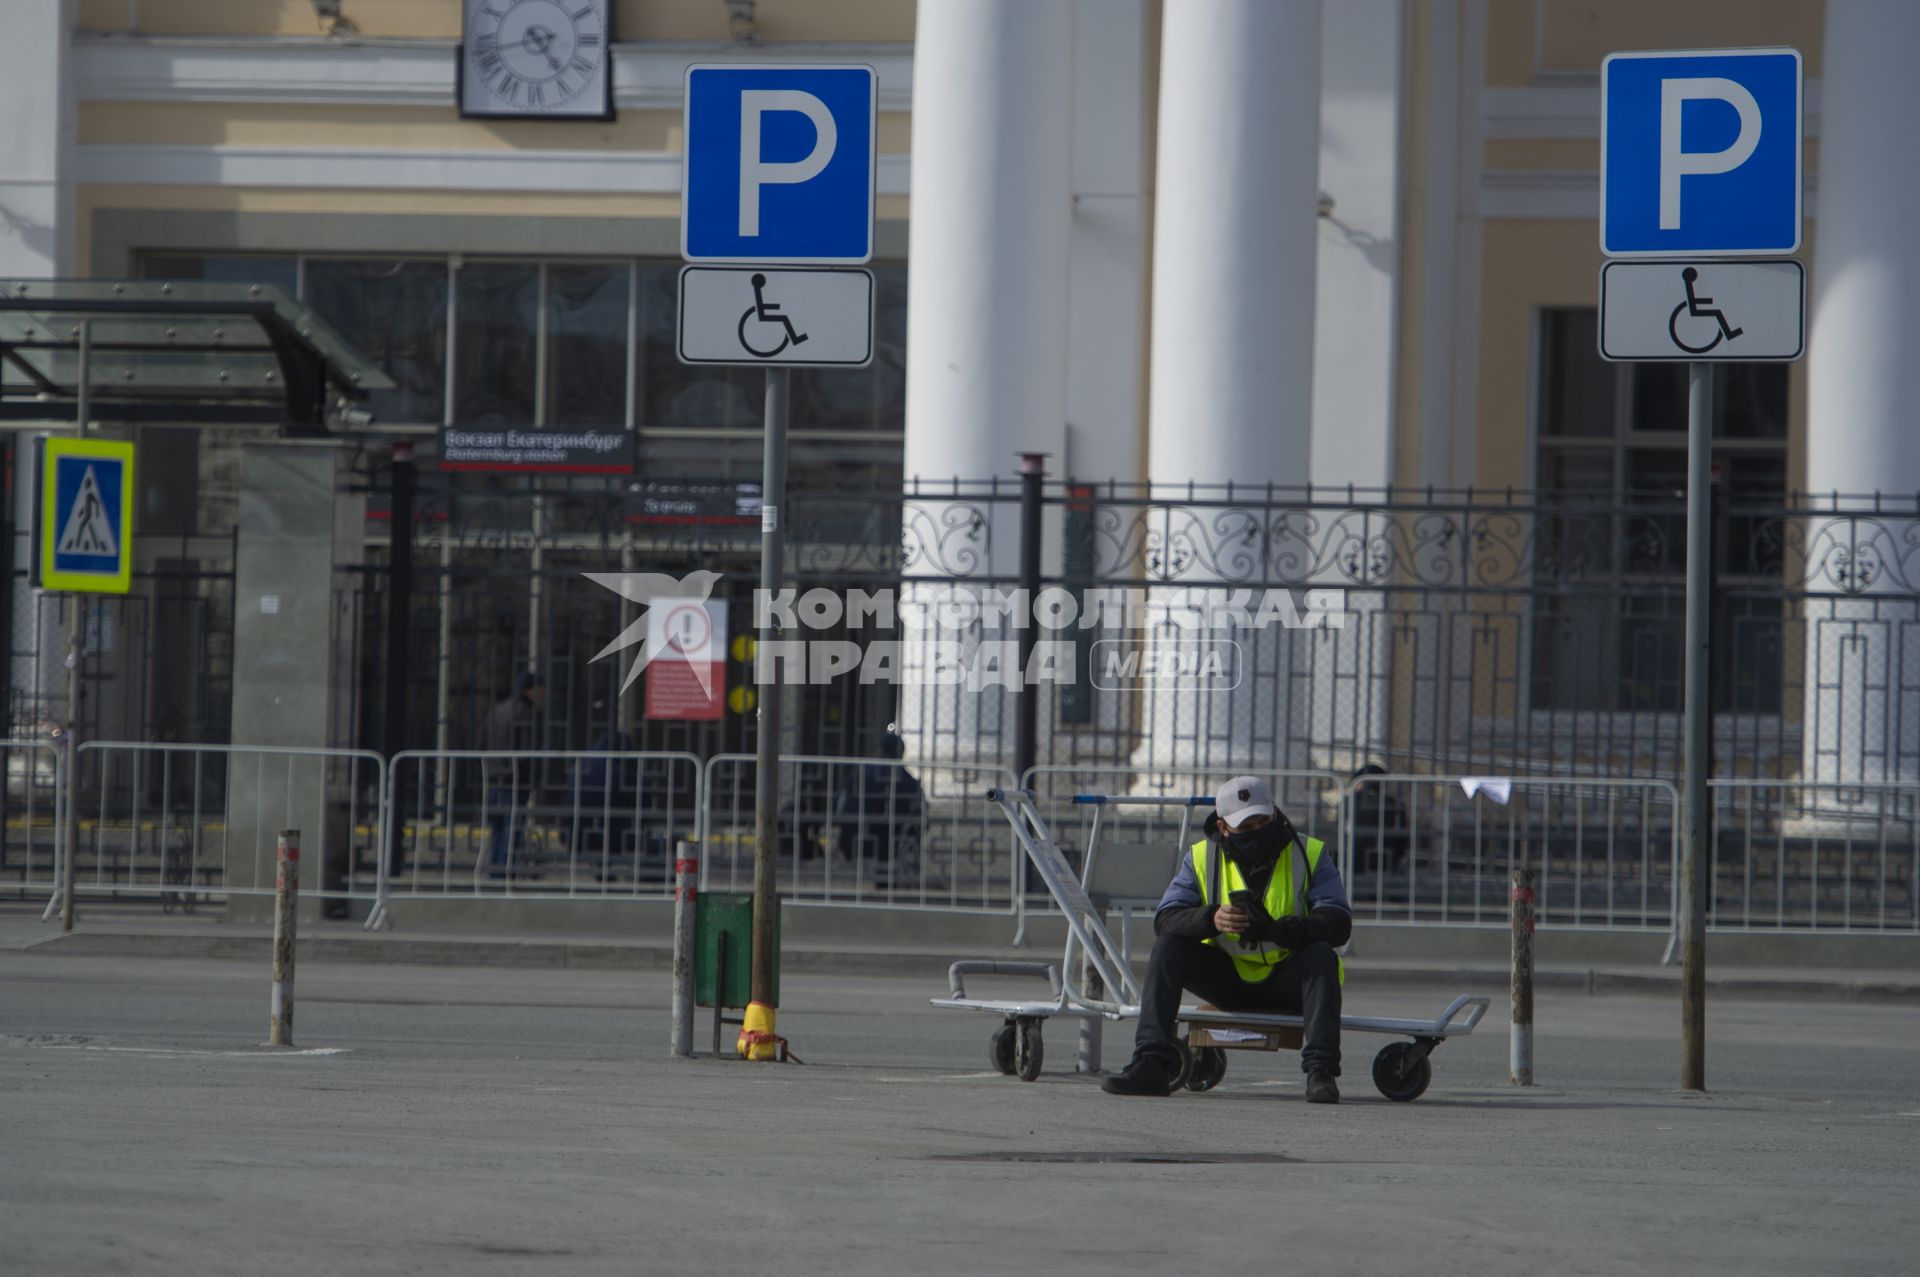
x=1249, y=923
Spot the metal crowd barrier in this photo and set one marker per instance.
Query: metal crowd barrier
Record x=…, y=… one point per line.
x=1604, y=852
x=187, y=823
x=501, y=824
x=30, y=828
x=1792, y=855
x=865, y=831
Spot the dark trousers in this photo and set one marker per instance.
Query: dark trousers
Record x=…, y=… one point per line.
x=506, y=826
x=1307, y=984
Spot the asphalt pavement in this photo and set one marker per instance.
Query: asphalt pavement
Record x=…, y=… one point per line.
x=488, y=1120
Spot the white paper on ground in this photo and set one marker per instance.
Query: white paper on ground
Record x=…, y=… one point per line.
x=1236, y=1035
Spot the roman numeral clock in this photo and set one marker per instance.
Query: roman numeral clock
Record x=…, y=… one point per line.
x=547, y=59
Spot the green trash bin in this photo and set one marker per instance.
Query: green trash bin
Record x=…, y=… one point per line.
x=723, y=950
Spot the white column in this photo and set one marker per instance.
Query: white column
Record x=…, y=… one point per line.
x=36, y=146
x=1236, y=189
x=36, y=242
x=1234, y=241
x=1355, y=361
x=1358, y=263
x=1863, y=653
x=986, y=310
x=1106, y=335
x=1106, y=384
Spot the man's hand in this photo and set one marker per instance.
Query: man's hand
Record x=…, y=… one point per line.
x=1228, y=918
x=1290, y=932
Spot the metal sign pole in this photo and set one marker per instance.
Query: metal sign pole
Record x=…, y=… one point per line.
x=766, y=784
x=1693, y=853
x=70, y=833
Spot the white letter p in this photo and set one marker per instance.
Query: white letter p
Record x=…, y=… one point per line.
x=755, y=172
x=1676, y=163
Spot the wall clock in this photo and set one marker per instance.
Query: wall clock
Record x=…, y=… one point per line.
x=548, y=59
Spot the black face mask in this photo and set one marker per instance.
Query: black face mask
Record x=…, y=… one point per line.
x=1258, y=845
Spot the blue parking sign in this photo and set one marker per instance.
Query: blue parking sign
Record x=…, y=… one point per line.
x=1700, y=153
x=779, y=164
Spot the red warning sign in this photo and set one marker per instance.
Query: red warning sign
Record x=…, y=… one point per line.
x=686, y=663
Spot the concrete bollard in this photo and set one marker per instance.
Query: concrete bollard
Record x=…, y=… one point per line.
x=686, y=879
x=1520, y=1046
x=286, y=901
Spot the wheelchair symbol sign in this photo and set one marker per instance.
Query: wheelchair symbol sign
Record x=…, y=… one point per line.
x=1683, y=311
x=770, y=315
x=1698, y=307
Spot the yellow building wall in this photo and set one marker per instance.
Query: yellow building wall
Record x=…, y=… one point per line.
x=427, y=127
x=1573, y=35
x=89, y=200
x=1528, y=39
x=777, y=21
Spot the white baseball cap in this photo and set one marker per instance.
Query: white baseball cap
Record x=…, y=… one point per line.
x=1241, y=797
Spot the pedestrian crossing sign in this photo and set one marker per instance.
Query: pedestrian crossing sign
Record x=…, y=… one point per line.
x=86, y=516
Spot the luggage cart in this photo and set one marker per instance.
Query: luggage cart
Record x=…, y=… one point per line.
x=1401, y=1070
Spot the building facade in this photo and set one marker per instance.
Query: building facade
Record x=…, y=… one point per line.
x=1339, y=256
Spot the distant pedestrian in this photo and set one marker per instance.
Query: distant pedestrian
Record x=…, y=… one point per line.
x=603, y=794
x=511, y=730
x=1382, y=837
x=878, y=813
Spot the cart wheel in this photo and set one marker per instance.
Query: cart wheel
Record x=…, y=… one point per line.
x=1185, y=1070
x=1209, y=1066
x=1401, y=1072
x=1000, y=1053
x=1028, y=1049
x=166, y=904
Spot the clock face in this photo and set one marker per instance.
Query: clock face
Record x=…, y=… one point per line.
x=536, y=57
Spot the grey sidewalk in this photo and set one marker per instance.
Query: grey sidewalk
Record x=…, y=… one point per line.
x=1460, y=961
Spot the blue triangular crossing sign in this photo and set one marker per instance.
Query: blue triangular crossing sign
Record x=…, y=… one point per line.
x=89, y=527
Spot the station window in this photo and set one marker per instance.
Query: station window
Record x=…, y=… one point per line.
x=1611, y=549
x=394, y=310
x=562, y=342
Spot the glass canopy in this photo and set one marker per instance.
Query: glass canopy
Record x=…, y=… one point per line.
x=187, y=352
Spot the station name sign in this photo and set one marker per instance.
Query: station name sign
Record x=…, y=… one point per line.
x=526, y=449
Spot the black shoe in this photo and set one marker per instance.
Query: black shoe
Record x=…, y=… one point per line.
x=1321, y=1088
x=1142, y=1077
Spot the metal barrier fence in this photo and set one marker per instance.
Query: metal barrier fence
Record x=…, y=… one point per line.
x=1800, y=856
x=30, y=816
x=190, y=822
x=1604, y=852
x=185, y=823
x=871, y=831
x=517, y=823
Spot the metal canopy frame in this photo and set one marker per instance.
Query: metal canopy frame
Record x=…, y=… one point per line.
x=188, y=352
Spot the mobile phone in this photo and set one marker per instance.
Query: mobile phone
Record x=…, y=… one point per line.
x=1241, y=900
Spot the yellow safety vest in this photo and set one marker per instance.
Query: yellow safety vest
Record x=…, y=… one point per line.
x=1286, y=894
